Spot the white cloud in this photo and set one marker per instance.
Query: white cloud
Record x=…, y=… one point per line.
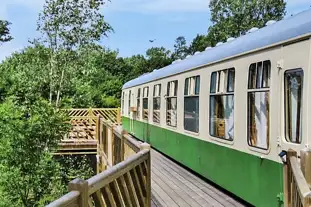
x=6, y=49
x=158, y=6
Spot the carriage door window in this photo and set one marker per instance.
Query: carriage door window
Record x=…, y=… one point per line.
x=122, y=102
x=171, y=103
x=156, y=103
x=138, y=104
x=129, y=107
x=191, y=104
x=259, y=104
x=145, y=102
x=222, y=104
x=293, y=105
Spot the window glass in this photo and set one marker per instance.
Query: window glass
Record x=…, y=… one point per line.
x=213, y=82
x=231, y=79
x=171, y=104
x=293, y=105
x=145, y=103
x=156, y=103
x=138, y=104
x=222, y=116
x=258, y=119
x=122, y=102
x=191, y=104
x=129, y=106
x=191, y=116
x=222, y=105
x=252, y=76
x=266, y=74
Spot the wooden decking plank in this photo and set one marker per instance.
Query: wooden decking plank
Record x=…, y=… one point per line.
x=191, y=190
x=177, y=187
x=156, y=199
x=167, y=200
x=174, y=193
x=217, y=194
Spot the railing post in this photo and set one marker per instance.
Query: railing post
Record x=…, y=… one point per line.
x=305, y=163
x=81, y=186
x=118, y=116
x=290, y=153
x=110, y=145
x=145, y=146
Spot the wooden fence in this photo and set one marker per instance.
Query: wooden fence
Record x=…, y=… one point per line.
x=297, y=179
x=124, y=168
x=108, y=114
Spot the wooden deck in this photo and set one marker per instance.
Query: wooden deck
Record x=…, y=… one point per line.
x=172, y=186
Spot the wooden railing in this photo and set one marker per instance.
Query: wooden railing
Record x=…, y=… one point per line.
x=297, y=191
x=124, y=169
x=112, y=115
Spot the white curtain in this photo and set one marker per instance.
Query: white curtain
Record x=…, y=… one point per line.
x=229, y=116
x=261, y=118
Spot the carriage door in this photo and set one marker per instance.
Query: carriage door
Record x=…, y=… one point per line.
x=146, y=114
x=294, y=73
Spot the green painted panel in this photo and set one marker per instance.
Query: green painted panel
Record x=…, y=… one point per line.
x=257, y=181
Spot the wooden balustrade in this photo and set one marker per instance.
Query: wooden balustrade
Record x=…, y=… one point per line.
x=297, y=191
x=124, y=169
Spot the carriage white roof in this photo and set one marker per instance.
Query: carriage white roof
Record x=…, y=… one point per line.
x=277, y=32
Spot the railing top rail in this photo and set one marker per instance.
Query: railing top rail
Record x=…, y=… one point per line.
x=302, y=184
x=99, y=181
x=66, y=200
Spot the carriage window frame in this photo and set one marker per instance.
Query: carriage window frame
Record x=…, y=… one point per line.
x=156, y=97
x=146, y=97
x=192, y=91
x=138, y=102
x=286, y=109
x=216, y=75
x=259, y=88
x=169, y=97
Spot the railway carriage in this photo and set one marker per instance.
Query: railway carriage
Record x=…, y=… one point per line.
x=229, y=111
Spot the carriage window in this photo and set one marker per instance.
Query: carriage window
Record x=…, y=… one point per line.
x=222, y=104
x=122, y=102
x=129, y=106
x=259, y=104
x=191, y=104
x=293, y=105
x=138, y=104
x=171, y=103
x=156, y=103
x=145, y=103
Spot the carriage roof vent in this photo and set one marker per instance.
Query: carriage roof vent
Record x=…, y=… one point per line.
x=208, y=48
x=270, y=22
x=219, y=43
x=253, y=29
x=178, y=60
x=230, y=39
x=173, y=62
x=155, y=70
x=188, y=56
x=196, y=53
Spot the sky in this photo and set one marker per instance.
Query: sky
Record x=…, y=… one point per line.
x=135, y=22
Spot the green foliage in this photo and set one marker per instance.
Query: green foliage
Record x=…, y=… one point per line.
x=29, y=133
x=235, y=18
x=5, y=31
x=199, y=43
x=181, y=49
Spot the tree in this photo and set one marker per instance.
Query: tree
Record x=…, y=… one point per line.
x=66, y=26
x=235, y=18
x=199, y=43
x=29, y=133
x=5, y=31
x=181, y=49
x=157, y=57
